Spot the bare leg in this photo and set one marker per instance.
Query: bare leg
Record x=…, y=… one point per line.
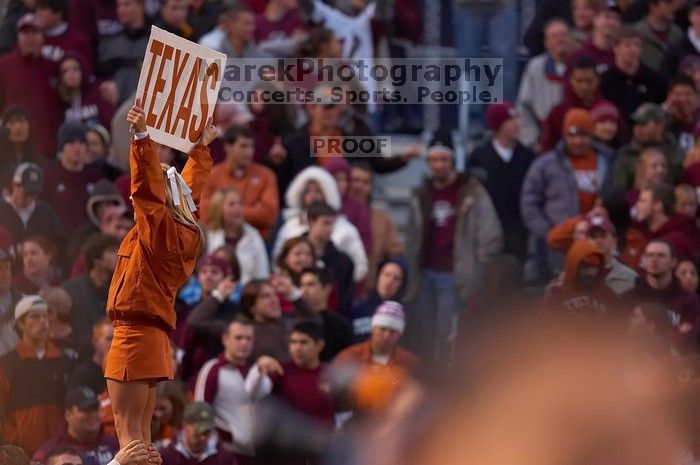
x=154, y=454
x=129, y=402
x=147, y=417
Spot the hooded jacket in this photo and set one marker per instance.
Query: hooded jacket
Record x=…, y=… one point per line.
x=104, y=191
x=345, y=235
x=578, y=303
x=88, y=106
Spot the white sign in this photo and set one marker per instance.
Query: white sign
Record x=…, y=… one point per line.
x=178, y=87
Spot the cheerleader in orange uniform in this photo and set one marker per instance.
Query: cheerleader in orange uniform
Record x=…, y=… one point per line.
x=154, y=260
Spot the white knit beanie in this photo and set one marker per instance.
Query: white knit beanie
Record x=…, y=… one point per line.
x=390, y=315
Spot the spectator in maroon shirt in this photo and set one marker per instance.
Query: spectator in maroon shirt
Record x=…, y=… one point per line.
x=258, y=6
x=581, y=90
x=659, y=285
x=606, y=24
x=80, y=96
x=68, y=182
x=95, y=18
x=279, y=28
x=300, y=384
x=59, y=36
x=25, y=79
x=356, y=212
x=197, y=443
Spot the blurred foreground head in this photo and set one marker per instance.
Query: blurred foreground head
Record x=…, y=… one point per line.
x=543, y=393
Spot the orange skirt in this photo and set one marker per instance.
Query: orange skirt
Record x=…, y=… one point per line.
x=138, y=353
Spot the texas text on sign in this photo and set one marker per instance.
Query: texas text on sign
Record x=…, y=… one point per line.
x=178, y=87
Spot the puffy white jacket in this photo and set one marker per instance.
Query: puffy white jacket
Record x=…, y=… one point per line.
x=250, y=252
x=344, y=236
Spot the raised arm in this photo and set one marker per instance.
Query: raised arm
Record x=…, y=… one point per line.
x=147, y=183
x=199, y=163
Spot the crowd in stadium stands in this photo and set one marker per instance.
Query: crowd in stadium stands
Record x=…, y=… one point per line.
x=587, y=185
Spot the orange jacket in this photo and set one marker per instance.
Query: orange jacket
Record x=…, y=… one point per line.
x=32, y=393
x=561, y=236
x=258, y=187
x=158, y=255
x=362, y=353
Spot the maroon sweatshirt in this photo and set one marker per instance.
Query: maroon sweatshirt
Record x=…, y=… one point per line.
x=68, y=193
x=89, y=106
x=96, y=18
x=55, y=47
x=301, y=389
x=26, y=81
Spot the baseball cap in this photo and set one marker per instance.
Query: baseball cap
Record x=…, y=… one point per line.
x=30, y=303
x=29, y=20
x=601, y=222
x=30, y=176
x=200, y=415
x=649, y=112
x=82, y=397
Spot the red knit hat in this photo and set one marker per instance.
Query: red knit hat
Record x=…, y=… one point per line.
x=604, y=110
x=576, y=121
x=213, y=260
x=499, y=113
